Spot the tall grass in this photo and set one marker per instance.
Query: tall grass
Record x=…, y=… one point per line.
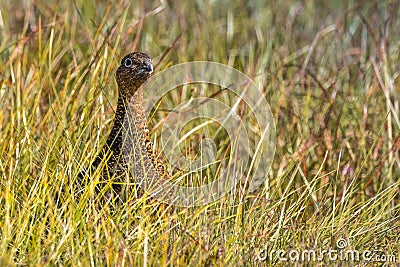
x=328, y=69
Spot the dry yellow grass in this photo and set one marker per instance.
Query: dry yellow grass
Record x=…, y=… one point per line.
x=329, y=70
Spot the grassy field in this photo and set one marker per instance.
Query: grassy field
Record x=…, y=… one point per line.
x=329, y=70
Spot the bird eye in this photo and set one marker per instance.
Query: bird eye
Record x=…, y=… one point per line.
x=128, y=63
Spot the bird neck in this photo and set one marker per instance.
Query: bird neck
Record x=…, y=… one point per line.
x=138, y=117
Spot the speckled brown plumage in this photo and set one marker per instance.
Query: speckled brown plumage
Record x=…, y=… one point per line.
x=134, y=70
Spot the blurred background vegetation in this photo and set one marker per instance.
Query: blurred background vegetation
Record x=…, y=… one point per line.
x=329, y=70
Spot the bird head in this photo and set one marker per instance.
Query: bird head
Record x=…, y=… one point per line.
x=134, y=70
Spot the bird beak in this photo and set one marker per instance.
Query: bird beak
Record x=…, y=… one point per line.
x=150, y=67
x=146, y=68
